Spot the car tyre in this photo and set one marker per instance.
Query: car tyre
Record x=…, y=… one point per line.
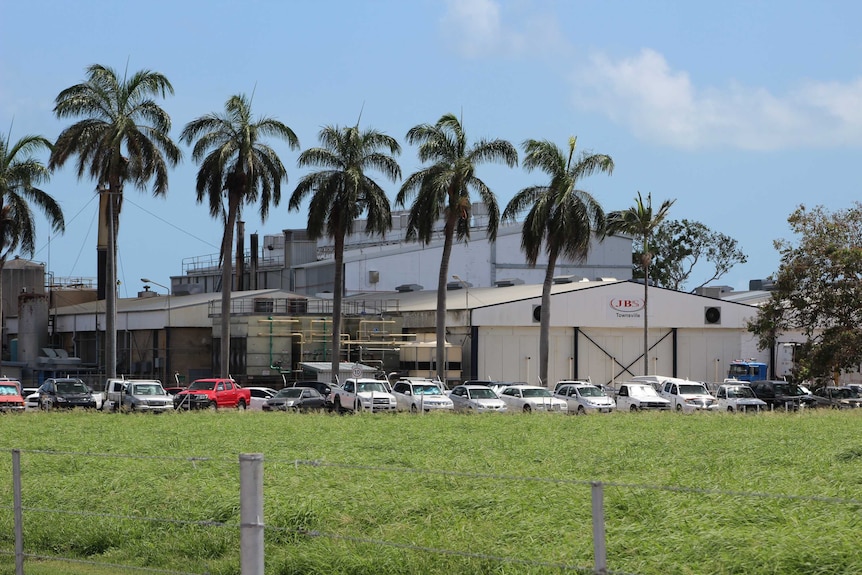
x=413, y=409
x=633, y=408
x=581, y=410
x=212, y=406
x=730, y=409
x=679, y=407
x=527, y=408
x=241, y=405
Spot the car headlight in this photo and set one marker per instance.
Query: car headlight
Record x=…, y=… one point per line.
x=290, y=403
x=61, y=399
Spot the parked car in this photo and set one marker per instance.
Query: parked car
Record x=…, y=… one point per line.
x=582, y=398
x=213, y=393
x=65, y=393
x=295, y=399
x=688, y=396
x=640, y=396
x=781, y=395
x=476, y=399
x=738, y=397
x=31, y=398
x=173, y=390
x=840, y=397
x=259, y=395
x=115, y=390
x=147, y=396
x=10, y=395
x=363, y=394
x=322, y=387
x=563, y=382
x=417, y=395
x=528, y=398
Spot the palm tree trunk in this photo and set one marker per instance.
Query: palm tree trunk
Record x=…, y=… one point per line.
x=111, y=280
x=442, y=280
x=545, y=323
x=226, y=283
x=337, y=295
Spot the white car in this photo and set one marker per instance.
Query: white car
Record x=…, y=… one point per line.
x=633, y=396
x=738, y=397
x=363, y=394
x=31, y=398
x=688, y=396
x=529, y=398
x=476, y=399
x=259, y=395
x=423, y=395
x=585, y=398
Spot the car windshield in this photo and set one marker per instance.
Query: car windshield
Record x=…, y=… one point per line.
x=692, y=389
x=842, y=393
x=480, y=393
x=426, y=390
x=642, y=391
x=590, y=391
x=147, y=389
x=71, y=387
x=739, y=392
x=6, y=389
x=372, y=386
x=290, y=392
x=202, y=385
x=786, y=389
x=531, y=392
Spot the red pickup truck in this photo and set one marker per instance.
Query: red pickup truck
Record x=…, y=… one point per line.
x=213, y=393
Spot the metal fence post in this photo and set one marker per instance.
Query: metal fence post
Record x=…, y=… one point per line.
x=251, y=513
x=600, y=550
x=19, y=512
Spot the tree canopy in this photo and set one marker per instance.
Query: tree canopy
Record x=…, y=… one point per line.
x=818, y=292
x=680, y=246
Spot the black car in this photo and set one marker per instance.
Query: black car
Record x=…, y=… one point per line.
x=65, y=393
x=781, y=395
x=295, y=399
x=322, y=388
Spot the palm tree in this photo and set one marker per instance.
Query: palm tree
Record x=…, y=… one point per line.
x=560, y=216
x=442, y=188
x=20, y=173
x=341, y=192
x=234, y=158
x=123, y=137
x=640, y=221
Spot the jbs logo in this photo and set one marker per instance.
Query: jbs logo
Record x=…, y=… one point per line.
x=627, y=305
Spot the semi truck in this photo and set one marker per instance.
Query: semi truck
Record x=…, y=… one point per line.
x=747, y=370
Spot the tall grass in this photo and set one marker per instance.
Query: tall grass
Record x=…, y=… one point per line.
x=442, y=493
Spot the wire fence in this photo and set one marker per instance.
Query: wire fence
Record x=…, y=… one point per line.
x=120, y=510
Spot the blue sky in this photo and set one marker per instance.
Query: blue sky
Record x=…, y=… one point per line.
x=739, y=110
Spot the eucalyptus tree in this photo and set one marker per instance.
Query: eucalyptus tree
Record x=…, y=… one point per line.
x=641, y=221
x=236, y=161
x=442, y=189
x=341, y=191
x=560, y=216
x=20, y=174
x=122, y=137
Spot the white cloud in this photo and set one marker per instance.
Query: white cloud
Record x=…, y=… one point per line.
x=477, y=29
x=663, y=105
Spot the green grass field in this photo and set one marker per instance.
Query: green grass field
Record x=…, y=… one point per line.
x=438, y=494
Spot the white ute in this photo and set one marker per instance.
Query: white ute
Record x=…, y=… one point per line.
x=363, y=394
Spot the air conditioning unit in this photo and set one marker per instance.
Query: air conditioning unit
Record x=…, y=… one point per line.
x=712, y=315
